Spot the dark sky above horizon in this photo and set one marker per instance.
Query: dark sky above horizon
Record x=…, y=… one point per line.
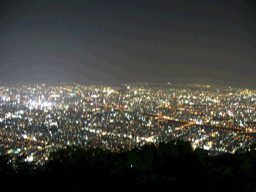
x=128, y=41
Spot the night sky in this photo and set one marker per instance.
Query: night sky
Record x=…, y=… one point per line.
x=118, y=42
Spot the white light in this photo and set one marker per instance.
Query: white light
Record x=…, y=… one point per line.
x=30, y=158
x=47, y=104
x=25, y=136
x=34, y=103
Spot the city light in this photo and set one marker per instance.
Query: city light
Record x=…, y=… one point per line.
x=137, y=116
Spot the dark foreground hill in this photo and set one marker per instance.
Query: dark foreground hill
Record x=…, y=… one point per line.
x=171, y=165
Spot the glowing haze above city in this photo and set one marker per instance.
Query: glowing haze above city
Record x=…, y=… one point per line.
x=116, y=42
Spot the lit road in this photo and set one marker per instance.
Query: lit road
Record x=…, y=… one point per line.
x=186, y=125
x=226, y=128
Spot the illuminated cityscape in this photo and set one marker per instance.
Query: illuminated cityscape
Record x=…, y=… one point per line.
x=133, y=93
x=37, y=119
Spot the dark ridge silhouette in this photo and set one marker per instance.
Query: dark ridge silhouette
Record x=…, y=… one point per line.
x=166, y=165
